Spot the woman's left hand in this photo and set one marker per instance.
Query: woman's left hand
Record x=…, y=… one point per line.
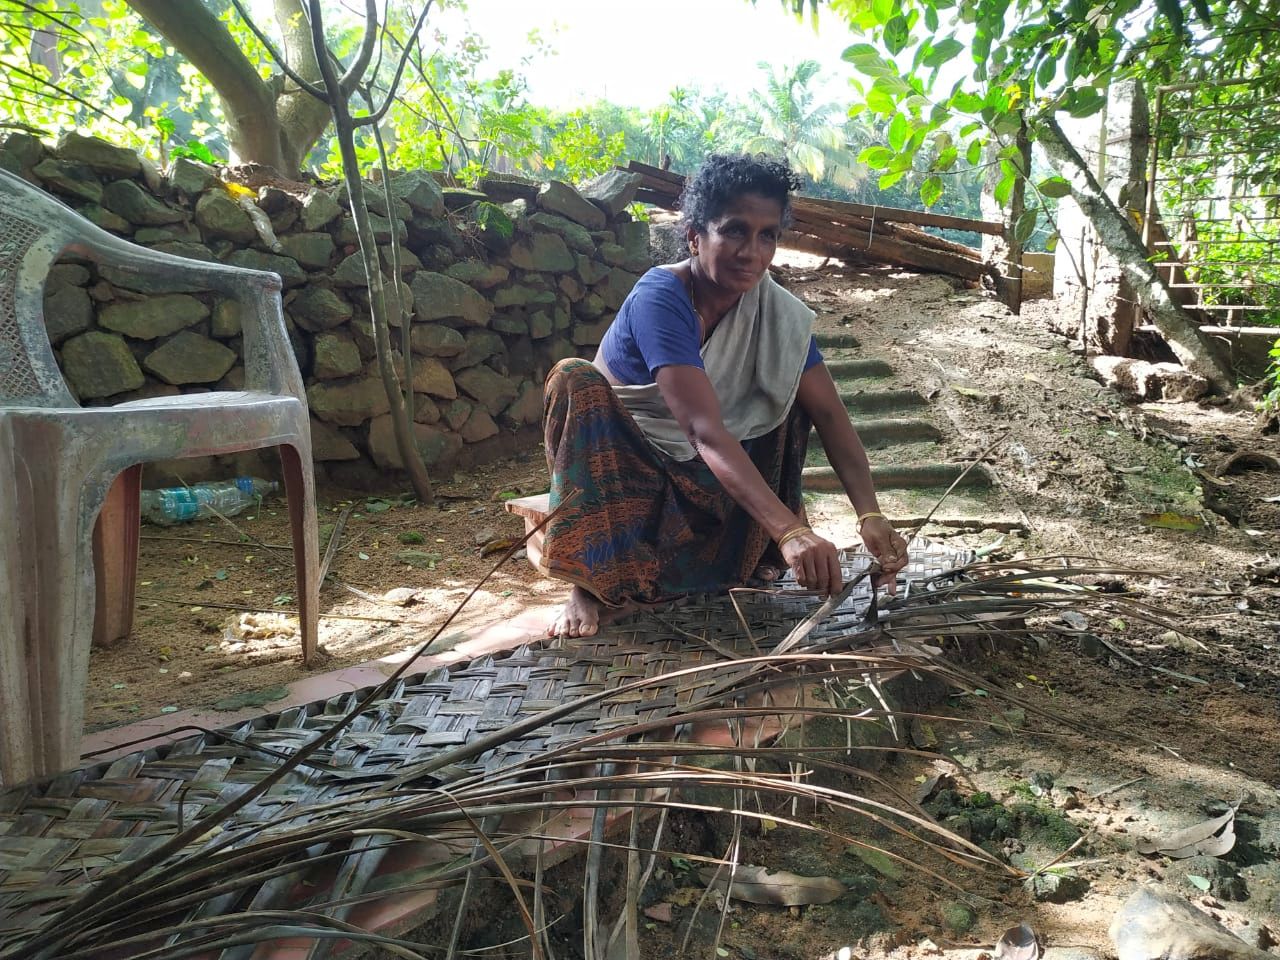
x=888, y=547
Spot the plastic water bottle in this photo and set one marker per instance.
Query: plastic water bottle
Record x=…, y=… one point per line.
x=180, y=504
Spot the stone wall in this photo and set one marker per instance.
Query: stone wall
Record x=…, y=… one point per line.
x=490, y=313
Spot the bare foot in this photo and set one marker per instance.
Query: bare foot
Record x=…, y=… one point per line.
x=580, y=617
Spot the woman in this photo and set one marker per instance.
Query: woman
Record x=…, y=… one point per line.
x=682, y=445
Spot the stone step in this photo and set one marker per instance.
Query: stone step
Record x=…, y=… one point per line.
x=881, y=401
x=902, y=476
x=836, y=340
x=858, y=368
x=887, y=431
x=901, y=452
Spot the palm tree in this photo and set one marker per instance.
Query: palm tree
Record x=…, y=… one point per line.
x=787, y=122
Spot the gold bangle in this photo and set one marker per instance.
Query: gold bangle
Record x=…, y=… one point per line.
x=792, y=534
x=868, y=515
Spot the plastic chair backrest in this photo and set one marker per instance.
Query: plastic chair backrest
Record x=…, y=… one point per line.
x=32, y=234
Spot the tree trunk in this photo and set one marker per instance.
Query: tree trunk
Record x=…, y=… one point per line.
x=274, y=131
x=1003, y=252
x=302, y=118
x=1116, y=232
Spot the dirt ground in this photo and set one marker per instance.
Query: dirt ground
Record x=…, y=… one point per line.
x=1088, y=474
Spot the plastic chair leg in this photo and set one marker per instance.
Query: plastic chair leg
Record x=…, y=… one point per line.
x=115, y=558
x=299, y=487
x=46, y=518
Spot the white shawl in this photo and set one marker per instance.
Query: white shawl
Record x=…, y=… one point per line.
x=754, y=361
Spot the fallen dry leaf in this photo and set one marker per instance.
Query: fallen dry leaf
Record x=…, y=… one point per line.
x=1211, y=838
x=758, y=885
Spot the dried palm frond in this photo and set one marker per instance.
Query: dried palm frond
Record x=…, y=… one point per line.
x=312, y=869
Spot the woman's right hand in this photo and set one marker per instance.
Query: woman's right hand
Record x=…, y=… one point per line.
x=815, y=562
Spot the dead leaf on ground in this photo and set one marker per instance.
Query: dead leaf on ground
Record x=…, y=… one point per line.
x=1172, y=521
x=931, y=786
x=660, y=912
x=496, y=546
x=400, y=596
x=1211, y=838
x=758, y=885
x=1018, y=943
x=1247, y=459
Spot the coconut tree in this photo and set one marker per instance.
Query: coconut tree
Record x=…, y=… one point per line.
x=788, y=120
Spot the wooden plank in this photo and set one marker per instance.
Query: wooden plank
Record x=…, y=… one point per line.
x=889, y=248
x=635, y=166
x=921, y=218
x=822, y=225
x=839, y=209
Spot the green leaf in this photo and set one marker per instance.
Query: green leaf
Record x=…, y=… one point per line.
x=883, y=10
x=931, y=191
x=859, y=50
x=1084, y=102
x=1200, y=883
x=943, y=52
x=878, y=101
x=931, y=19
x=974, y=154
x=889, y=179
x=1004, y=189
x=898, y=131
x=897, y=35
x=1025, y=226
x=876, y=157
x=873, y=65
x=1051, y=242
x=1047, y=71
x=946, y=159
x=1054, y=187
x=1007, y=124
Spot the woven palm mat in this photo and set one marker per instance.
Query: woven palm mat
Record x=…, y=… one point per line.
x=59, y=836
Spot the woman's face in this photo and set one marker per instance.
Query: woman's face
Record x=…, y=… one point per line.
x=739, y=245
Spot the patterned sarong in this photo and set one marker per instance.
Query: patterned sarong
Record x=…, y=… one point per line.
x=645, y=527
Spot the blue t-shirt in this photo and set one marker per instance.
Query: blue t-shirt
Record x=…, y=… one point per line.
x=656, y=327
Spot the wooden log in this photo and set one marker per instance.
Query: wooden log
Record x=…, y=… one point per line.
x=921, y=218
x=1116, y=232
x=888, y=248
x=825, y=248
x=907, y=234
x=840, y=209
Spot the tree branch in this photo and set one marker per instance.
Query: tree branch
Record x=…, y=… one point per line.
x=276, y=55
x=377, y=115
x=360, y=64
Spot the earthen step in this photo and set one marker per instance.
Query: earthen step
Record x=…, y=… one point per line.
x=887, y=431
x=858, y=368
x=903, y=476
x=836, y=341
x=878, y=401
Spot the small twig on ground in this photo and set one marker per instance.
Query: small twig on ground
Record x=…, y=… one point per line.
x=334, y=539
x=1116, y=789
x=915, y=531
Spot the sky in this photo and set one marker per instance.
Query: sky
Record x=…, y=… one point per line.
x=634, y=53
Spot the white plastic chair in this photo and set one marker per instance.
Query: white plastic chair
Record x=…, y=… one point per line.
x=59, y=461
